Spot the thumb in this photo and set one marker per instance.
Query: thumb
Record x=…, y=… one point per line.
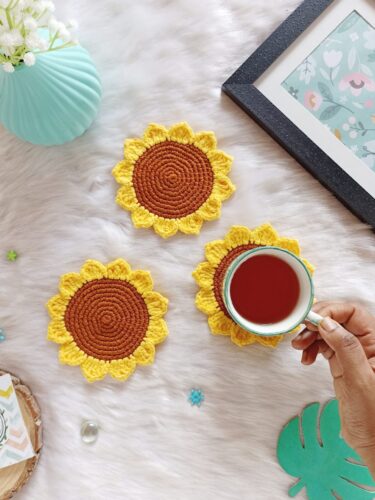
x=347, y=347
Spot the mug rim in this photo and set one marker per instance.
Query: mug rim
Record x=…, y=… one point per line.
x=228, y=278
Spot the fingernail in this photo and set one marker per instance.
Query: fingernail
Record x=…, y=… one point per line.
x=328, y=324
x=304, y=335
x=304, y=358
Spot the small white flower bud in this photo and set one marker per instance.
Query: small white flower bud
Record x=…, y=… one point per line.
x=8, y=67
x=29, y=59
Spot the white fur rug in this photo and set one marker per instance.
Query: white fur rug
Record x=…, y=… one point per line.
x=164, y=61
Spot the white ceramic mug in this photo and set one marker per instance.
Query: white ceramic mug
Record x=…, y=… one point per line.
x=302, y=310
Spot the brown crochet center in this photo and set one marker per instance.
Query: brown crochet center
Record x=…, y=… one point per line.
x=173, y=180
x=221, y=271
x=107, y=318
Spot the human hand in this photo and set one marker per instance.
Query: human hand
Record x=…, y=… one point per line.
x=346, y=338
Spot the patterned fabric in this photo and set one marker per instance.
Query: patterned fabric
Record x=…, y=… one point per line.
x=336, y=83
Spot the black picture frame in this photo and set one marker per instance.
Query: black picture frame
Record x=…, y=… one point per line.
x=240, y=87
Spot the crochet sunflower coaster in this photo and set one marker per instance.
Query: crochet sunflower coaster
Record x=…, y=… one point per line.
x=210, y=276
x=107, y=319
x=173, y=179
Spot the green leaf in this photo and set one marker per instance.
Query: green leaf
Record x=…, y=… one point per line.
x=325, y=91
x=330, y=112
x=371, y=57
x=348, y=23
x=310, y=449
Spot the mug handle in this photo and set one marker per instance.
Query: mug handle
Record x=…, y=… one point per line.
x=314, y=318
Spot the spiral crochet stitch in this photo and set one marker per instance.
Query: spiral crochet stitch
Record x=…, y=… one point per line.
x=107, y=319
x=173, y=179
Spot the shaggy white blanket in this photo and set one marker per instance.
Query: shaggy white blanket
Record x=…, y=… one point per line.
x=164, y=61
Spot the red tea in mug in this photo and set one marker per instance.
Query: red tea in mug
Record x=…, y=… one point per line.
x=264, y=289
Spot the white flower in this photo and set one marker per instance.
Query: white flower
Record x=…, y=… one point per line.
x=55, y=26
x=29, y=59
x=354, y=37
x=8, y=67
x=48, y=6
x=30, y=23
x=72, y=24
x=370, y=37
x=353, y=134
x=65, y=35
x=332, y=58
x=11, y=38
x=17, y=37
x=37, y=7
x=20, y=44
x=346, y=127
x=33, y=41
x=352, y=120
x=6, y=39
x=354, y=148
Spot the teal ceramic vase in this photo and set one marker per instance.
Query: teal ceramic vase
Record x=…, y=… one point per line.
x=54, y=101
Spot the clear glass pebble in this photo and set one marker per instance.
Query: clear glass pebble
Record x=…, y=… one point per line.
x=89, y=431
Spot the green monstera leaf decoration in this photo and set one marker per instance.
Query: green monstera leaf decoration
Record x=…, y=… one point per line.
x=311, y=449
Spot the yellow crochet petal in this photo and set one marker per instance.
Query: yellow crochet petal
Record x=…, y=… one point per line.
x=310, y=267
x=206, y=141
x=215, y=251
x=157, y=331
x=93, y=270
x=165, y=227
x=211, y=209
x=56, y=306
x=289, y=244
x=237, y=236
x=191, y=224
x=118, y=269
x=123, y=171
x=58, y=333
x=204, y=275
x=220, y=162
x=142, y=217
x=70, y=283
x=134, y=148
x=265, y=235
x=269, y=341
x=241, y=338
x=121, y=369
x=220, y=324
x=154, y=134
x=141, y=280
x=206, y=302
x=71, y=354
x=145, y=353
x=181, y=132
x=126, y=197
x=94, y=369
x=157, y=305
x=224, y=188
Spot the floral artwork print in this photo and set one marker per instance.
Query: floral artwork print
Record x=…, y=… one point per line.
x=336, y=83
